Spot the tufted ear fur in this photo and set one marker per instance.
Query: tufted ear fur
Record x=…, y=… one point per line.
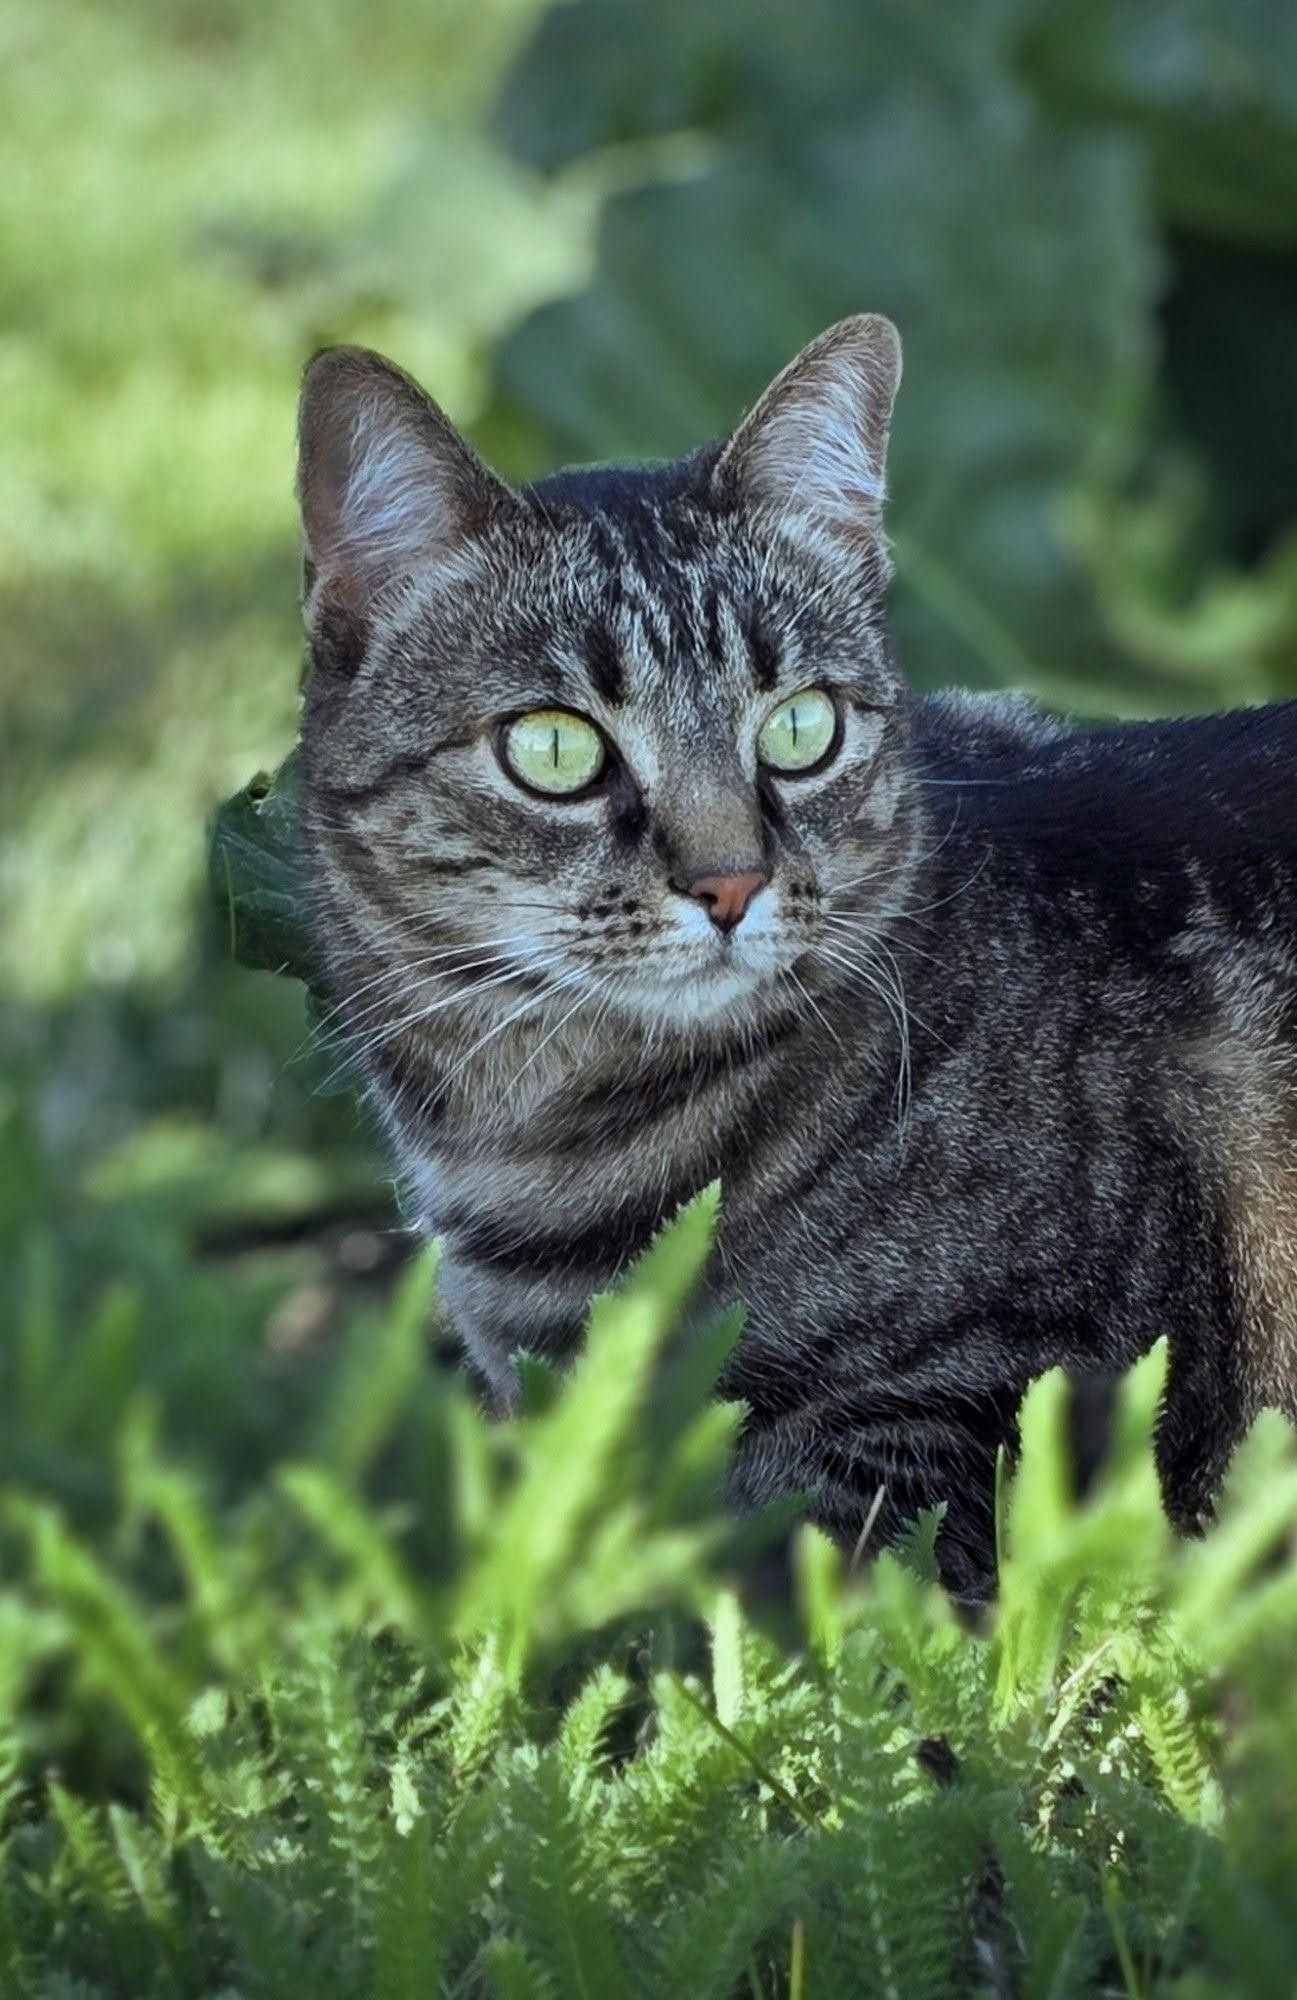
x=387, y=487
x=813, y=449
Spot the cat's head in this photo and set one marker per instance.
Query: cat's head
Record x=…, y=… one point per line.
x=627, y=733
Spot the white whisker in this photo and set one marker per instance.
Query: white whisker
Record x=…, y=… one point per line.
x=415, y=1019
x=585, y=994
x=814, y=1005
x=893, y=998
x=534, y=1000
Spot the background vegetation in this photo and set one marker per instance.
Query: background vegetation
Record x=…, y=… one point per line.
x=593, y=229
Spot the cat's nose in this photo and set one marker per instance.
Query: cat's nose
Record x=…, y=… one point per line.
x=725, y=897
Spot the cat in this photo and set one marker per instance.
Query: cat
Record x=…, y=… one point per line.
x=636, y=863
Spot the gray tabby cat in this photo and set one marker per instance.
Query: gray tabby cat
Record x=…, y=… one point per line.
x=637, y=864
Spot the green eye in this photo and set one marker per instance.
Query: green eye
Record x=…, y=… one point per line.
x=799, y=733
x=553, y=751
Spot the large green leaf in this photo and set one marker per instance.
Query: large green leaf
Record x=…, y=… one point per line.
x=1210, y=88
x=1231, y=367
x=599, y=75
x=1018, y=262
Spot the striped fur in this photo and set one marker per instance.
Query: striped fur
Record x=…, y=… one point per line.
x=980, y=1069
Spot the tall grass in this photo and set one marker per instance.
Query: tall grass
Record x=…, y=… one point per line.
x=429, y=1707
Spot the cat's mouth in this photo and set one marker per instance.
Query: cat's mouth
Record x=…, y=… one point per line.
x=698, y=979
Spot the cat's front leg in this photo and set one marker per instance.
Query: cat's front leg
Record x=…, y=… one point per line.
x=499, y=1309
x=871, y=1468
x=1207, y=1404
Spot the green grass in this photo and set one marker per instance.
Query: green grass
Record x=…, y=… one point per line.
x=338, y=1687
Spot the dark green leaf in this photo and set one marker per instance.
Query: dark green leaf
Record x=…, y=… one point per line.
x=257, y=878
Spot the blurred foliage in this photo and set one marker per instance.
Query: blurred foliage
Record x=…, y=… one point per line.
x=198, y=193
x=422, y=1705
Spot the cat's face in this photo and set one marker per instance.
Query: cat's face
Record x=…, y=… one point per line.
x=630, y=742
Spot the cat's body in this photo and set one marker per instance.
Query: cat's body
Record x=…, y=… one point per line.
x=997, y=1063
x=1101, y=1144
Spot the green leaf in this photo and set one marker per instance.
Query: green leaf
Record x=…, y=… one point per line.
x=1209, y=89
x=256, y=874
x=1208, y=92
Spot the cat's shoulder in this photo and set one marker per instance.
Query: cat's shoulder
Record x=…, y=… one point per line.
x=1223, y=783
x=960, y=724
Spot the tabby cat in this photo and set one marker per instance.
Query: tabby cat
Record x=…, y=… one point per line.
x=636, y=863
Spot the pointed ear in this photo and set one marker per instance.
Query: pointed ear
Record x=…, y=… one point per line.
x=813, y=449
x=386, y=485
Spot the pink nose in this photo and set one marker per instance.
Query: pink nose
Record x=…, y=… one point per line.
x=726, y=897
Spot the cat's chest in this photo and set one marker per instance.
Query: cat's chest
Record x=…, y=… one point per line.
x=567, y=1181
x=541, y=1203
x=580, y=1144
x=540, y=1208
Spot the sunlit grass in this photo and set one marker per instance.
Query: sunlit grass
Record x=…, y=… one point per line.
x=196, y=196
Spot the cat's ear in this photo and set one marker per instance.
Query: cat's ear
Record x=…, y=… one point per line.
x=813, y=449
x=386, y=484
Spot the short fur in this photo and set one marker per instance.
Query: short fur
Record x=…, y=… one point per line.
x=998, y=1072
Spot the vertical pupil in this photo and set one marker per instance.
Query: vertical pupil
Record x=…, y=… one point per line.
x=792, y=717
x=556, y=748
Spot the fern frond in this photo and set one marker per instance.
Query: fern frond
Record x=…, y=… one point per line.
x=173, y=1499
x=268, y=1927
x=735, y=1909
x=95, y=1871
x=410, y=1941
x=1175, y=1741
x=551, y=1890
x=318, y=1715
x=1049, y=1917
x=348, y=1528
x=584, y=1729
x=17, y=1978
x=111, y=1630
x=147, y=1867
x=480, y=1705
x=512, y=1975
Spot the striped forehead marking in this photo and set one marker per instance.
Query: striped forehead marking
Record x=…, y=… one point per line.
x=666, y=612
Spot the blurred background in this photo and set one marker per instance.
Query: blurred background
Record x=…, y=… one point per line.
x=593, y=229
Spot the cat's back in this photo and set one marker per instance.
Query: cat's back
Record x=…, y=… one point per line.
x=1125, y=963
x=1208, y=800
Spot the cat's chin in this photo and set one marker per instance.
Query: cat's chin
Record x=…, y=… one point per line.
x=689, y=996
